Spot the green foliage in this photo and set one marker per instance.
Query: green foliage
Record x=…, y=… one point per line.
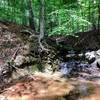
x=14, y=10
x=63, y=17
x=67, y=22
x=73, y=16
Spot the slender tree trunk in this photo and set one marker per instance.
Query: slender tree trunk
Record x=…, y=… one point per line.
x=98, y=16
x=31, y=15
x=93, y=16
x=42, y=23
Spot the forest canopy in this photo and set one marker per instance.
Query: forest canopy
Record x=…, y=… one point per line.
x=62, y=17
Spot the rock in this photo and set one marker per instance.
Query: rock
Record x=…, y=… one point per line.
x=90, y=56
x=73, y=68
x=98, y=52
x=96, y=79
x=19, y=60
x=85, y=90
x=5, y=73
x=48, y=68
x=98, y=63
x=54, y=76
x=82, y=67
x=57, y=76
x=70, y=55
x=93, y=90
x=2, y=97
x=26, y=50
x=66, y=68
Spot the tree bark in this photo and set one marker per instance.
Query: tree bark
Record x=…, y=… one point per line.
x=31, y=15
x=42, y=24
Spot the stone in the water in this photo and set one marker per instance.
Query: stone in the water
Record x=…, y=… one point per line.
x=73, y=68
x=98, y=52
x=98, y=63
x=82, y=67
x=90, y=56
x=66, y=68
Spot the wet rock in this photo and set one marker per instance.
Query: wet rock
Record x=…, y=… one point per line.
x=98, y=52
x=98, y=63
x=73, y=67
x=66, y=68
x=83, y=67
x=90, y=56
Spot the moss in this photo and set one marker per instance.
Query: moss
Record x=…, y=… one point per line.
x=36, y=67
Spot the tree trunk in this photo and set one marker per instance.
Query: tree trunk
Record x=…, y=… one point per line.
x=98, y=15
x=42, y=23
x=93, y=16
x=31, y=15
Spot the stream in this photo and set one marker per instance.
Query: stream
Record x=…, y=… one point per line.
x=82, y=66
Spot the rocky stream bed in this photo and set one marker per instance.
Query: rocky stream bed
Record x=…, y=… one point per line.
x=59, y=74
